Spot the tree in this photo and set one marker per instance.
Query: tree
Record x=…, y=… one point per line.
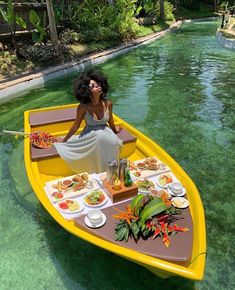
x=162, y=12
x=52, y=26
x=176, y=5
x=215, y=5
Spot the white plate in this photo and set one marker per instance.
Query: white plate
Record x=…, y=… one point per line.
x=69, y=211
x=176, y=194
x=95, y=205
x=142, y=190
x=164, y=186
x=180, y=202
x=89, y=224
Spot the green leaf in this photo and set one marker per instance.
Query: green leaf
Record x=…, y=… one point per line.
x=35, y=36
x=4, y=14
x=34, y=18
x=122, y=232
x=136, y=203
x=154, y=207
x=20, y=22
x=126, y=235
x=135, y=229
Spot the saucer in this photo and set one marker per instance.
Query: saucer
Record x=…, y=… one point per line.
x=180, y=202
x=176, y=194
x=90, y=225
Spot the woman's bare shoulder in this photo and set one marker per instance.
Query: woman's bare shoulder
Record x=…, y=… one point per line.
x=81, y=109
x=108, y=104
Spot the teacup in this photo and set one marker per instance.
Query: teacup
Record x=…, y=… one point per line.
x=176, y=187
x=95, y=217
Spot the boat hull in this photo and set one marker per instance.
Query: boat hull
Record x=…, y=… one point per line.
x=49, y=169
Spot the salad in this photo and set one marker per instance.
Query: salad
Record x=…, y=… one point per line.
x=96, y=197
x=145, y=184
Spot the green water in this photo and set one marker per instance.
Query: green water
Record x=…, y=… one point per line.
x=179, y=91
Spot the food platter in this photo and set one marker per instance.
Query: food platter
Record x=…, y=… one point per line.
x=95, y=198
x=160, y=193
x=180, y=202
x=70, y=206
x=145, y=185
x=164, y=180
x=147, y=167
x=69, y=187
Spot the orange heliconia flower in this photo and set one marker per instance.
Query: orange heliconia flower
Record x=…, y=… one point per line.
x=127, y=215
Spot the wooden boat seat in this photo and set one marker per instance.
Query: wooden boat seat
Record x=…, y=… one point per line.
x=64, y=115
x=181, y=244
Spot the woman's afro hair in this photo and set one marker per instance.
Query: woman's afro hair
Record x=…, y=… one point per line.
x=81, y=86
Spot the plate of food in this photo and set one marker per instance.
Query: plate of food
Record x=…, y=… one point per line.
x=69, y=206
x=70, y=187
x=145, y=185
x=180, y=202
x=161, y=193
x=164, y=180
x=95, y=198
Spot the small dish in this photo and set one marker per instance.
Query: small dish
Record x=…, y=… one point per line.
x=177, y=194
x=98, y=225
x=70, y=206
x=164, y=180
x=161, y=166
x=176, y=187
x=141, y=165
x=180, y=202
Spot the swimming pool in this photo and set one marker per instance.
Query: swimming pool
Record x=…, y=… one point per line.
x=177, y=90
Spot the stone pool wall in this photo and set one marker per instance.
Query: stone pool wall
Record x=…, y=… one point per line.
x=19, y=86
x=224, y=41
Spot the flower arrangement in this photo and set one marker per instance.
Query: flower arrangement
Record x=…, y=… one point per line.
x=147, y=216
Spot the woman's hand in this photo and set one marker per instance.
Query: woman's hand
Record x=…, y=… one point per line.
x=118, y=128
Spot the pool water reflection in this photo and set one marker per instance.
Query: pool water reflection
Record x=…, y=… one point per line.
x=179, y=91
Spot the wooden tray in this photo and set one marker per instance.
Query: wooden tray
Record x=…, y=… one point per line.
x=121, y=194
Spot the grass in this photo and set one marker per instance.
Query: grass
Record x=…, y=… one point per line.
x=203, y=11
x=146, y=30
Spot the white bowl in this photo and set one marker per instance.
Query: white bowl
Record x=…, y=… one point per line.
x=176, y=187
x=95, y=217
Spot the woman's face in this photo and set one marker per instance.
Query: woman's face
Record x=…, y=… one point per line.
x=95, y=88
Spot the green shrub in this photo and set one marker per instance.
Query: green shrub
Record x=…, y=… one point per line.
x=43, y=54
x=69, y=36
x=147, y=21
x=10, y=65
x=95, y=20
x=168, y=7
x=125, y=22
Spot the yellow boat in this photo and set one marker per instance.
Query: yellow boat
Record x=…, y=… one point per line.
x=43, y=165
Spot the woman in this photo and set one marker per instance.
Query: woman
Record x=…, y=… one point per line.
x=97, y=144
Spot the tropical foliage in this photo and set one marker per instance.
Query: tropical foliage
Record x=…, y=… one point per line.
x=147, y=216
x=10, y=18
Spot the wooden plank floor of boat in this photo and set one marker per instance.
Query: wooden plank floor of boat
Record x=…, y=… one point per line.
x=179, y=251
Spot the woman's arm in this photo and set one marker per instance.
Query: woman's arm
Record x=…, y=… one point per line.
x=77, y=122
x=116, y=129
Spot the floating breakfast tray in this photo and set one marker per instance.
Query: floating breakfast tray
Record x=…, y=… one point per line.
x=145, y=172
x=50, y=190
